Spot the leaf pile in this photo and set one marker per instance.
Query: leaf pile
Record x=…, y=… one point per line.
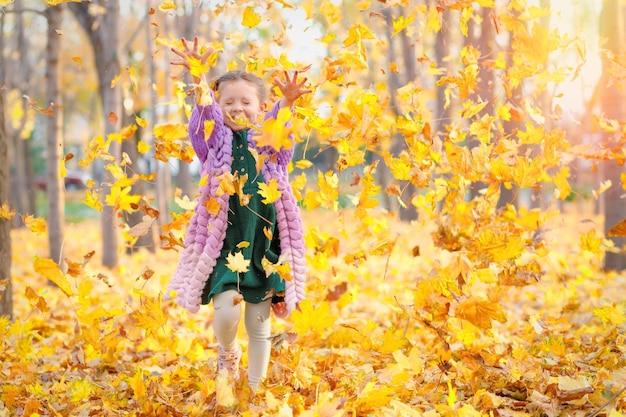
x=390, y=327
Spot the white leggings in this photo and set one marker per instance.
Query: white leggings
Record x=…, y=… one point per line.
x=257, y=322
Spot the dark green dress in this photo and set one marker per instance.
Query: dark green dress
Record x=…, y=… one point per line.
x=245, y=224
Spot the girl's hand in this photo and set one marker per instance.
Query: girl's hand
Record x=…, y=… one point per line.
x=291, y=89
x=190, y=53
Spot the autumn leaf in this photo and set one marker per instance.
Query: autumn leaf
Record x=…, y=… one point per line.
x=6, y=212
x=250, y=17
x=167, y=5
x=480, y=312
x=269, y=191
x=275, y=132
x=49, y=269
x=36, y=225
x=237, y=263
x=618, y=230
x=150, y=316
x=316, y=319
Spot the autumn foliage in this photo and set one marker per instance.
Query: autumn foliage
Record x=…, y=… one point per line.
x=476, y=308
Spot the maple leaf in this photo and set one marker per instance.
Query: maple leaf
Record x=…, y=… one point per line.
x=276, y=132
x=36, y=225
x=36, y=300
x=480, y=312
x=150, y=315
x=269, y=191
x=313, y=319
x=49, y=269
x=121, y=199
x=6, y=212
x=237, y=263
x=250, y=17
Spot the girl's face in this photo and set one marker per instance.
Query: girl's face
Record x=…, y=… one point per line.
x=239, y=99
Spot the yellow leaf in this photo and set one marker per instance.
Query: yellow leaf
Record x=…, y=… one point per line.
x=480, y=312
x=224, y=395
x=143, y=147
x=275, y=132
x=269, y=192
x=77, y=59
x=167, y=5
x=50, y=270
x=150, y=315
x=313, y=319
x=304, y=164
x=250, y=18
x=357, y=33
x=92, y=200
x=136, y=382
x=34, y=224
x=590, y=242
x=121, y=199
x=132, y=72
x=6, y=212
x=79, y=390
x=237, y=263
x=610, y=314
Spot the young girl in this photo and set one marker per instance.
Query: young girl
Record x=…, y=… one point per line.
x=223, y=225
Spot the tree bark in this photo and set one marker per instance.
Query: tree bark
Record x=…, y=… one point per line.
x=612, y=103
x=6, y=292
x=103, y=32
x=55, y=187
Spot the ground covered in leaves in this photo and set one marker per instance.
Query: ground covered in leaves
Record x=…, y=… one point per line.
x=393, y=325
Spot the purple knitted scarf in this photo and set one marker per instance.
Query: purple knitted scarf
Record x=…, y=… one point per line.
x=206, y=232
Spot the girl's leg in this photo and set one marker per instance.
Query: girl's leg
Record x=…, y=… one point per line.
x=257, y=320
x=225, y=324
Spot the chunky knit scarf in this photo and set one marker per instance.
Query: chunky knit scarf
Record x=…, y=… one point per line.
x=206, y=232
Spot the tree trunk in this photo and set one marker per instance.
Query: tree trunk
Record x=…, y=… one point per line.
x=103, y=32
x=510, y=195
x=6, y=293
x=55, y=187
x=612, y=102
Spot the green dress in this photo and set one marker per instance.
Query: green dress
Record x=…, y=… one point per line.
x=246, y=224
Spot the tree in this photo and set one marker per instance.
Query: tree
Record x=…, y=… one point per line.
x=54, y=180
x=612, y=104
x=6, y=294
x=102, y=27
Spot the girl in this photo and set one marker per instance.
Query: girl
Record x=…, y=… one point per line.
x=226, y=225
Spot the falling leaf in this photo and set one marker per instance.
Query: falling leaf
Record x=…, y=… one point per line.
x=6, y=212
x=49, y=269
x=167, y=5
x=36, y=225
x=250, y=18
x=618, y=230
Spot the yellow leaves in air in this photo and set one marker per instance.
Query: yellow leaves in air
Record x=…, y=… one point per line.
x=250, y=17
x=237, y=263
x=276, y=132
x=4, y=3
x=269, y=191
x=50, y=270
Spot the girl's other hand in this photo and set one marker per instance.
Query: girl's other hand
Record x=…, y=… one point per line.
x=188, y=52
x=291, y=88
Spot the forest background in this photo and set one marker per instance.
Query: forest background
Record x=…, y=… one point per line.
x=459, y=168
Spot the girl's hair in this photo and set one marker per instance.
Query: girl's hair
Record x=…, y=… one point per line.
x=235, y=75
